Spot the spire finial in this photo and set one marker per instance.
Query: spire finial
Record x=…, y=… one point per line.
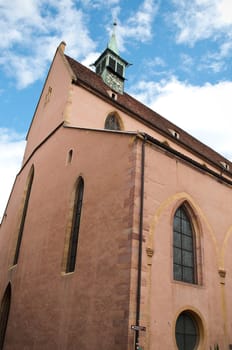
x=112, y=45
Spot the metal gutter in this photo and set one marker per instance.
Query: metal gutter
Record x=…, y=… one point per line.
x=140, y=252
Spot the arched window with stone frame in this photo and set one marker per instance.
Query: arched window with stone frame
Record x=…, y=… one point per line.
x=187, y=266
x=113, y=122
x=187, y=331
x=75, y=226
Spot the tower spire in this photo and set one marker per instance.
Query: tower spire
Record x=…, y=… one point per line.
x=110, y=66
x=112, y=45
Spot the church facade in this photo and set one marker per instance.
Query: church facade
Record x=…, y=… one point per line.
x=118, y=230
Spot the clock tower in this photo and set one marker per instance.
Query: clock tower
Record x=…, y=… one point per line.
x=111, y=67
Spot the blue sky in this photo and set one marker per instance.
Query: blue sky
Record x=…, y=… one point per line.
x=180, y=52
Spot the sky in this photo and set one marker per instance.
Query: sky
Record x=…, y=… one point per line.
x=180, y=52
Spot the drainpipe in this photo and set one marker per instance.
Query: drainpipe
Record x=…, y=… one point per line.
x=139, y=278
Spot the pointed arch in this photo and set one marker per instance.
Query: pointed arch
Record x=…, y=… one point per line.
x=4, y=314
x=75, y=226
x=23, y=214
x=199, y=221
x=113, y=122
x=196, y=236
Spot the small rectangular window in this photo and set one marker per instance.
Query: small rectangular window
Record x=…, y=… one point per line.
x=98, y=69
x=112, y=63
x=174, y=133
x=103, y=64
x=120, y=69
x=225, y=165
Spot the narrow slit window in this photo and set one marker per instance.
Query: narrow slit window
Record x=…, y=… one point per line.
x=70, y=155
x=74, y=236
x=103, y=64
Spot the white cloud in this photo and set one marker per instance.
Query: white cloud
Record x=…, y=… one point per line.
x=216, y=61
x=34, y=30
x=155, y=62
x=224, y=11
x=203, y=111
x=187, y=62
x=11, y=153
x=138, y=26
x=90, y=59
x=202, y=19
x=99, y=3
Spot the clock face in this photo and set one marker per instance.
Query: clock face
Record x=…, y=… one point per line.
x=114, y=82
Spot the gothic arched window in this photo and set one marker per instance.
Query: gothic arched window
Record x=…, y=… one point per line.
x=184, y=264
x=4, y=314
x=112, y=122
x=23, y=214
x=73, y=242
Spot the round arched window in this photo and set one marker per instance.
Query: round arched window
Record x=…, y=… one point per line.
x=187, y=332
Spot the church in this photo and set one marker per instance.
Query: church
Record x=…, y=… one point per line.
x=118, y=230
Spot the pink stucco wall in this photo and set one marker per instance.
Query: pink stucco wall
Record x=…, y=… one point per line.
x=87, y=309
x=50, y=111
x=168, y=183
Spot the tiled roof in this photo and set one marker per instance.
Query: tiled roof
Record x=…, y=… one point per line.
x=155, y=121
